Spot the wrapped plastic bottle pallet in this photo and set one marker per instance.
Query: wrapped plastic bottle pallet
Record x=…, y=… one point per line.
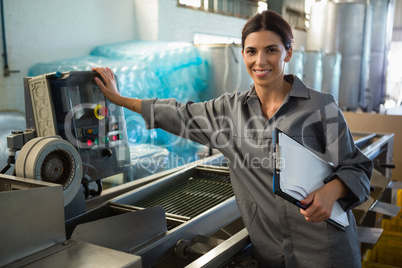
x=146, y=70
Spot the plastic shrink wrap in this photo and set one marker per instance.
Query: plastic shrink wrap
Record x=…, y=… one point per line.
x=147, y=70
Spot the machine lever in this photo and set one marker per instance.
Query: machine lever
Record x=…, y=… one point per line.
x=199, y=245
x=388, y=165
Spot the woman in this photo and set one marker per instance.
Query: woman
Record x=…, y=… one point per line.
x=240, y=125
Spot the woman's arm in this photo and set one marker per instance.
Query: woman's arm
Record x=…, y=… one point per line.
x=198, y=122
x=324, y=199
x=109, y=89
x=349, y=184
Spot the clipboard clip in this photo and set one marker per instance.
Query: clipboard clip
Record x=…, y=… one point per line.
x=277, y=154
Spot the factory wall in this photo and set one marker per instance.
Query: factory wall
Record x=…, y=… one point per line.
x=49, y=30
x=165, y=21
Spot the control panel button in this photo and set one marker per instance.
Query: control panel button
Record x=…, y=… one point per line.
x=103, y=111
x=89, y=143
x=105, y=140
x=100, y=112
x=107, y=152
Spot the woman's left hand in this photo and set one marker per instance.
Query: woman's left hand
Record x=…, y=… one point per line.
x=322, y=200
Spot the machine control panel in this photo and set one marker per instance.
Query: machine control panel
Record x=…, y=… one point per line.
x=73, y=107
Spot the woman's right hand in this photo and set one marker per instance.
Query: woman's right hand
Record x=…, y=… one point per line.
x=109, y=87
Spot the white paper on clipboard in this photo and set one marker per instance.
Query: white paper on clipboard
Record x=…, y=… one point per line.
x=303, y=172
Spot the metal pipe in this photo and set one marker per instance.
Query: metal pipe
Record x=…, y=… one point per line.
x=3, y=30
x=7, y=70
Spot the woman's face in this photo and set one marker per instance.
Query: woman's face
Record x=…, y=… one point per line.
x=265, y=55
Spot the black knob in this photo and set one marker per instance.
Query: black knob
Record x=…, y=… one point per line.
x=388, y=166
x=107, y=152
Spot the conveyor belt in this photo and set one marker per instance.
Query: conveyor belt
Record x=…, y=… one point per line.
x=192, y=197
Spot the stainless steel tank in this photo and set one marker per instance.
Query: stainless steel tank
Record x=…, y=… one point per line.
x=344, y=27
x=322, y=35
x=331, y=73
x=354, y=20
x=296, y=64
x=312, y=72
x=226, y=69
x=383, y=12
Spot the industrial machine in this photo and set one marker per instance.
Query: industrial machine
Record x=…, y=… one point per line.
x=75, y=137
x=369, y=215
x=72, y=106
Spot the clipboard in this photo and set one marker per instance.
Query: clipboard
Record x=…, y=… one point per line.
x=298, y=172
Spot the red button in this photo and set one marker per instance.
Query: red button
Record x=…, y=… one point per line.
x=103, y=111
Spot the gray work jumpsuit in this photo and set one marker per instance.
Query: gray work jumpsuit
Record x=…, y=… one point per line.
x=234, y=124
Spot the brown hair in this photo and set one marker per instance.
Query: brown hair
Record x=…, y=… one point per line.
x=271, y=21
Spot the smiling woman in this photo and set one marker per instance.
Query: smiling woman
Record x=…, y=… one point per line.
x=267, y=46
x=265, y=56
x=240, y=126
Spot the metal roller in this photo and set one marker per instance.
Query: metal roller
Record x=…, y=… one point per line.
x=54, y=160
